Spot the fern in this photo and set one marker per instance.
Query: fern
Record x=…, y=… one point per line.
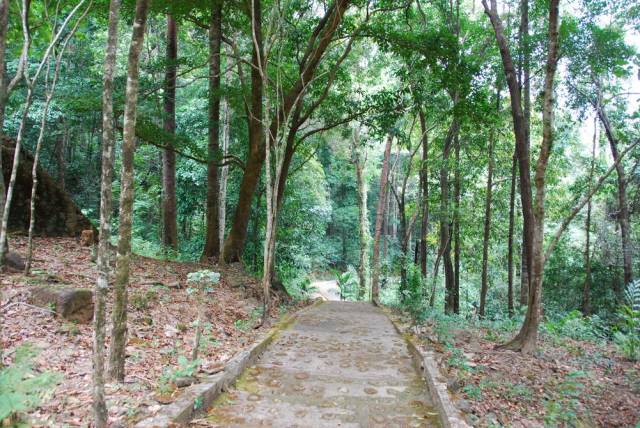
x=632, y=295
x=22, y=389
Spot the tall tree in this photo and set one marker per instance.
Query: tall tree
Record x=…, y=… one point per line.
x=169, y=211
x=119, y=314
x=533, y=216
x=4, y=26
x=212, y=243
x=510, y=246
x=359, y=160
x=445, y=217
x=484, y=287
x=100, y=414
x=380, y=213
x=424, y=192
x=586, y=287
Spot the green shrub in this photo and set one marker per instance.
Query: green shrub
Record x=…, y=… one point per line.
x=21, y=388
x=627, y=336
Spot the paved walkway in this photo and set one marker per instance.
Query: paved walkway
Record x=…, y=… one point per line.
x=341, y=364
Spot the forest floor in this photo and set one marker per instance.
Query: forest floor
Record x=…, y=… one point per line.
x=567, y=383
x=160, y=330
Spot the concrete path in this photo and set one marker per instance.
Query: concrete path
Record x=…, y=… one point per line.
x=342, y=364
x=326, y=290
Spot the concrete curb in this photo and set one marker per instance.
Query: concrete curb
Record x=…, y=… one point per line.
x=198, y=398
x=425, y=362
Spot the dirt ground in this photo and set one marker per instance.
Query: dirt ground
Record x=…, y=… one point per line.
x=567, y=383
x=160, y=329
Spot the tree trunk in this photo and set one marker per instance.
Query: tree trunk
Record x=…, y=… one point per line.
x=623, y=206
x=212, y=244
x=487, y=231
x=4, y=24
x=512, y=206
x=375, y=259
x=169, y=211
x=119, y=315
x=224, y=171
x=586, y=288
x=100, y=413
x=526, y=339
x=457, y=184
x=234, y=244
x=424, y=188
x=316, y=47
x=359, y=160
x=445, y=231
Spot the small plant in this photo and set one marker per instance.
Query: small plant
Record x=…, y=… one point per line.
x=474, y=392
x=347, y=283
x=627, y=338
x=140, y=301
x=186, y=368
x=564, y=408
x=200, y=283
x=22, y=388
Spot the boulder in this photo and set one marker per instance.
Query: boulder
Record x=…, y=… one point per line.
x=14, y=262
x=73, y=304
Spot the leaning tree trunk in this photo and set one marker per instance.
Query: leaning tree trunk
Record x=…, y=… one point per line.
x=100, y=413
x=487, y=231
x=375, y=259
x=623, y=206
x=169, y=210
x=212, y=243
x=119, y=315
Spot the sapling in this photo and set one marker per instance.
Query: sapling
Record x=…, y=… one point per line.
x=200, y=283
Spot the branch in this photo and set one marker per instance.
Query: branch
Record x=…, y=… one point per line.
x=583, y=202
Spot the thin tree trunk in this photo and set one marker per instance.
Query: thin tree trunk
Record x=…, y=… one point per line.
x=119, y=315
x=487, y=231
x=424, y=187
x=525, y=87
x=212, y=244
x=100, y=413
x=586, y=288
x=512, y=205
x=224, y=171
x=4, y=24
x=375, y=259
x=445, y=230
x=30, y=83
x=457, y=184
x=169, y=210
x=359, y=160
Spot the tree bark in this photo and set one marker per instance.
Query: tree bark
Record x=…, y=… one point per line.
x=512, y=206
x=487, y=231
x=119, y=315
x=212, y=244
x=169, y=210
x=375, y=259
x=100, y=413
x=224, y=171
x=4, y=24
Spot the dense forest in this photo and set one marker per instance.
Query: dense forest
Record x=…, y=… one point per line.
x=469, y=164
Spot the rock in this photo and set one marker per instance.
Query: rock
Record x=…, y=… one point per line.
x=455, y=385
x=73, y=304
x=464, y=406
x=14, y=262
x=184, y=381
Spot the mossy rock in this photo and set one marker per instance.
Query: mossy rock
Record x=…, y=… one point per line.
x=73, y=304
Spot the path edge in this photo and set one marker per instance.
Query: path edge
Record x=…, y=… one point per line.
x=199, y=397
x=425, y=362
